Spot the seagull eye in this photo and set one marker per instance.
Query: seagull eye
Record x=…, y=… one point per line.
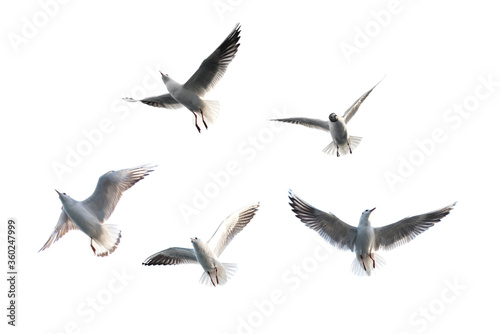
x=64, y=193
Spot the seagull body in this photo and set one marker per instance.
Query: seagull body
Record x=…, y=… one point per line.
x=207, y=253
x=364, y=240
x=191, y=92
x=90, y=215
x=342, y=143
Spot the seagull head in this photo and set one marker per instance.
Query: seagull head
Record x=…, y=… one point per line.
x=367, y=214
x=194, y=240
x=333, y=117
x=62, y=196
x=164, y=76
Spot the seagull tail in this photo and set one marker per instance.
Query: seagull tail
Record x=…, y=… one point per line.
x=223, y=274
x=107, y=241
x=358, y=269
x=210, y=111
x=332, y=149
x=354, y=141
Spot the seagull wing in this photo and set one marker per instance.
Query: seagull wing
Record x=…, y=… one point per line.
x=401, y=232
x=309, y=122
x=332, y=229
x=64, y=225
x=110, y=188
x=213, y=68
x=160, y=101
x=352, y=110
x=171, y=256
x=230, y=227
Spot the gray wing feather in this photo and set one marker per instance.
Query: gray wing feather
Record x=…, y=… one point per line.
x=213, y=68
x=230, y=227
x=405, y=230
x=160, y=101
x=63, y=226
x=309, y=122
x=171, y=256
x=332, y=229
x=352, y=110
x=110, y=188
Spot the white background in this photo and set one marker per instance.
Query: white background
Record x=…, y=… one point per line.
x=71, y=73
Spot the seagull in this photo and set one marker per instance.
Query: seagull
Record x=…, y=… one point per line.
x=342, y=142
x=207, y=253
x=191, y=92
x=90, y=215
x=364, y=240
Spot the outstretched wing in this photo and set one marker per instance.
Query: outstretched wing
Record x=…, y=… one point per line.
x=332, y=229
x=171, y=256
x=160, y=101
x=230, y=227
x=352, y=110
x=393, y=235
x=213, y=68
x=110, y=188
x=309, y=122
x=63, y=226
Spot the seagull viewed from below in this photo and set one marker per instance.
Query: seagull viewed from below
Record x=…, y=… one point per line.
x=191, y=92
x=342, y=142
x=90, y=215
x=365, y=239
x=207, y=253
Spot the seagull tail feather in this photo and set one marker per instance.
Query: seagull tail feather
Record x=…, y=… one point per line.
x=210, y=111
x=358, y=269
x=107, y=241
x=224, y=273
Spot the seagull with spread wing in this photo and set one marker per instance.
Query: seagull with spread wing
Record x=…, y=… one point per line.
x=342, y=142
x=205, y=78
x=90, y=215
x=364, y=240
x=207, y=253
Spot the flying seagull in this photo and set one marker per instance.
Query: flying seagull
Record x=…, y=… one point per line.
x=207, y=253
x=342, y=142
x=90, y=215
x=364, y=240
x=205, y=78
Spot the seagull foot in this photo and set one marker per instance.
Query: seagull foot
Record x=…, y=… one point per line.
x=211, y=278
x=372, y=260
x=92, y=246
x=203, y=119
x=196, y=122
x=361, y=257
x=216, y=275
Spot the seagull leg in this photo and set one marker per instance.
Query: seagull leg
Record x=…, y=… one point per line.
x=196, y=122
x=349, y=145
x=203, y=119
x=216, y=275
x=338, y=154
x=91, y=246
x=210, y=278
x=372, y=260
x=361, y=257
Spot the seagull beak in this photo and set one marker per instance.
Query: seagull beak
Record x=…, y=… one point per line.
x=57, y=192
x=192, y=239
x=162, y=73
x=372, y=209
